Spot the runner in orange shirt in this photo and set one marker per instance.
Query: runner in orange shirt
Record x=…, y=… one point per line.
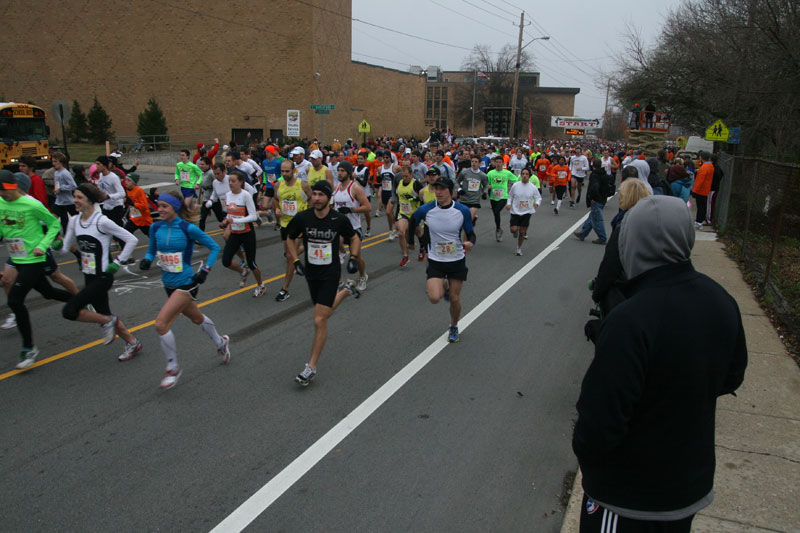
x=559, y=177
x=542, y=171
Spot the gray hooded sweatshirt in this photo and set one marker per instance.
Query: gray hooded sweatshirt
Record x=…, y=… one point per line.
x=657, y=231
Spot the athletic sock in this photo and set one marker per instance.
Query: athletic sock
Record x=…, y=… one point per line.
x=211, y=330
x=169, y=349
x=558, y=204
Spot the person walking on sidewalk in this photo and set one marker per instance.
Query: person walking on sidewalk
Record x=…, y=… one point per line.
x=645, y=431
x=597, y=194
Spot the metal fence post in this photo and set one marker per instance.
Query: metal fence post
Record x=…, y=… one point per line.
x=777, y=233
x=750, y=201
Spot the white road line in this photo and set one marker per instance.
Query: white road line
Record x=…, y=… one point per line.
x=274, y=489
x=161, y=184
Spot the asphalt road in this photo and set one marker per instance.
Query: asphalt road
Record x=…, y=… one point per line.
x=478, y=439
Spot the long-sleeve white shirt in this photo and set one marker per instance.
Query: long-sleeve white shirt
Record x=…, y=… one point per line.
x=110, y=184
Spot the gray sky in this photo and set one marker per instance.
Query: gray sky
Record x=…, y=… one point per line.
x=584, y=36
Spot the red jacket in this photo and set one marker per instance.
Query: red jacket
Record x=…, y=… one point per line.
x=38, y=190
x=211, y=153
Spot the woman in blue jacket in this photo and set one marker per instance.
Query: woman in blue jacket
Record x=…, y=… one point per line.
x=172, y=239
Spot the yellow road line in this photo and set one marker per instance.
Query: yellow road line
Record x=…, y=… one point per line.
x=99, y=342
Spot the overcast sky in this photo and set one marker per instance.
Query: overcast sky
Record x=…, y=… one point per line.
x=584, y=36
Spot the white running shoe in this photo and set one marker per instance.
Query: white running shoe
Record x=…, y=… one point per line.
x=367, y=232
x=305, y=377
x=245, y=272
x=392, y=235
x=27, y=358
x=109, y=330
x=519, y=251
x=362, y=283
x=171, y=378
x=129, y=351
x=10, y=323
x=225, y=351
x=259, y=291
x=377, y=214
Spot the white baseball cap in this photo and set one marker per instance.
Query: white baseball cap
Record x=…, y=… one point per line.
x=298, y=150
x=315, y=154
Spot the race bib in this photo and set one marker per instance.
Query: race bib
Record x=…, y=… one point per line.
x=498, y=194
x=473, y=185
x=184, y=175
x=386, y=185
x=446, y=248
x=405, y=208
x=517, y=171
x=16, y=248
x=289, y=207
x=542, y=168
x=319, y=253
x=562, y=174
x=238, y=226
x=134, y=213
x=524, y=204
x=88, y=263
x=171, y=262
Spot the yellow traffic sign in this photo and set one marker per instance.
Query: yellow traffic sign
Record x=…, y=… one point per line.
x=363, y=127
x=717, y=132
x=681, y=141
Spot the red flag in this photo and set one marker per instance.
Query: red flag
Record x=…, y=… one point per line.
x=530, y=130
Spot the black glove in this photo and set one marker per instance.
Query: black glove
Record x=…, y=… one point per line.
x=144, y=264
x=200, y=276
x=592, y=329
x=298, y=267
x=344, y=210
x=352, y=265
x=483, y=196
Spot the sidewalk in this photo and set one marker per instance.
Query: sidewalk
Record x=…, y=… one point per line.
x=757, y=482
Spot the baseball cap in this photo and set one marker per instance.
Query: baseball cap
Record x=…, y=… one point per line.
x=434, y=171
x=443, y=181
x=408, y=150
x=7, y=180
x=115, y=155
x=315, y=154
x=298, y=150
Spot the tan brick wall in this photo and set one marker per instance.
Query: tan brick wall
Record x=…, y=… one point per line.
x=208, y=65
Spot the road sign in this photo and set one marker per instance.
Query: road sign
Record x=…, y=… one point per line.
x=717, y=132
x=681, y=141
x=575, y=122
x=320, y=107
x=733, y=135
x=574, y=131
x=60, y=111
x=363, y=127
x=322, y=111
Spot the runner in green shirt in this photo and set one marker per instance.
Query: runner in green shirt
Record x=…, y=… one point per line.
x=500, y=181
x=21, y=221
x=188, y=176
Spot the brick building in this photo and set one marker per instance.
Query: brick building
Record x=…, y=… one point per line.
x=208, y=65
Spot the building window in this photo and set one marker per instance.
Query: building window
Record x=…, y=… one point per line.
x=436, y=93
x=444, y=93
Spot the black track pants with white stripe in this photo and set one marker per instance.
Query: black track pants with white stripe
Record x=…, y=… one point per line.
x=597, y=519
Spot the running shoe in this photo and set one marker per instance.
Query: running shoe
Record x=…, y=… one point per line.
x=392, y=235
x=578, y=199
x=519, y=251
x=698, y=225
x=552, y=202
x=367, y=232
x=377, y=214
x=342, y=257
x=27, y=356
x=351, y=287
x=526, y=237
x=282, y=296
x=245, y=272
x=109, y=330
x=598, y=241
x=498, y=234
x=571, y=203
x=421, y=256
x=452, y=335
x=404, y=261
x=579, y=235
x=305, y=377
x=362, y=282
x=171, y=378
x=128, y=261
x=225, y=351
x=10, y=323
x=555, y=210
x=259, y=291
x=130, y=350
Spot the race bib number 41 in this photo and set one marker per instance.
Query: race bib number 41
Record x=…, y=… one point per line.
x=319, y=253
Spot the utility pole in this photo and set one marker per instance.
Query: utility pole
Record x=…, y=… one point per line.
x=474, y=89
x=516, y=77
x=605, y=112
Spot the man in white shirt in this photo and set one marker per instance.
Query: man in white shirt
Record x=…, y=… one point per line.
x=578, y=166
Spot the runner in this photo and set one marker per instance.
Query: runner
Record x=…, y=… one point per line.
x=559, y=177
x=350, y=199
x=318, y=171
x=172, y=239
x=188, y=177
x=447, y=264
x=21, y=221
x=387, y=176
x=301, y=166
x=63, y=185
x=473, y=184
x=362, y=178
x=239, y=232
x=139, y=216
x=500, y=179
x=406, y=191
x=206, y=188
x=290, y=198
x=542, y=166
x=523, y=199
x=113, y=206
x=321, y=228
x=578, y=167
x=517, y=161
x=89, y=234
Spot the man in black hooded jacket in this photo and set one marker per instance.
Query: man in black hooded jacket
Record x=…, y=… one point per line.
x=645, y=431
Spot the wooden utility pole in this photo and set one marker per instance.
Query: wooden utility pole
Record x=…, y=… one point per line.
x=516, y=77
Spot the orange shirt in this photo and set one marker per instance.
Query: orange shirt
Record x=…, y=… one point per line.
x=542, y=166
x=139, y=213
x=506, y=159
x=560, y=174
x=703, y=179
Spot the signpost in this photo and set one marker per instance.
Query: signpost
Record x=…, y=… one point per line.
x=322, y=109
x=61, y=113
x=363, y=127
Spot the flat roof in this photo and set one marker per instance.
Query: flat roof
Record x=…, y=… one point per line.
x=384, y=68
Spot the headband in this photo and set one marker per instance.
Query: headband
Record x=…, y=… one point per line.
x=88, y=193
x=171, y=200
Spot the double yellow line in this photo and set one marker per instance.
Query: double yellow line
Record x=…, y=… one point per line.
x=376, y=239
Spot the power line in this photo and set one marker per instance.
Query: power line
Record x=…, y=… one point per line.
x=487, y=11
x=483, y=24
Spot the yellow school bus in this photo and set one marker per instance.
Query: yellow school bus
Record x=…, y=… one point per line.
x=23, y=131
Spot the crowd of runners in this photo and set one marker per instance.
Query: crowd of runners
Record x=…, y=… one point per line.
x=323, y=201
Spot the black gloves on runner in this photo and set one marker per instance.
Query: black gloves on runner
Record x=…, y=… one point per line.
x=144, y=264
x=344, y=210
x=352, y=265
x=298, y=267
x=200, y=276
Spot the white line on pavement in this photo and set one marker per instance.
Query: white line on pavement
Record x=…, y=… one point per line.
x=161, y=184
x=274, y=489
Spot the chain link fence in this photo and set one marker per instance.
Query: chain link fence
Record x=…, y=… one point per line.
x=758, y=214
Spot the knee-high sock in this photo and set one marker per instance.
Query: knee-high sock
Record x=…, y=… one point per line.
x=169, y=349
x=211, y=330
x=558, y=204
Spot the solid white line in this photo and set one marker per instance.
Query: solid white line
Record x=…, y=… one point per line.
x=274, y=489
x=161, y=184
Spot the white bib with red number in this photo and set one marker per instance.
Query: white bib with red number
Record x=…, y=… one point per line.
x=319, y=253
x=16, y=248
x=170, y=261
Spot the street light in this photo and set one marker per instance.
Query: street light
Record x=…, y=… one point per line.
x=516, y=71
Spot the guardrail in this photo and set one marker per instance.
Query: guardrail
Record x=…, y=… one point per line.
x=169, y=142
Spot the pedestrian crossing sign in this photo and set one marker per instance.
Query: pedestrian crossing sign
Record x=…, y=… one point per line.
x=717, y=132
x=363, y=127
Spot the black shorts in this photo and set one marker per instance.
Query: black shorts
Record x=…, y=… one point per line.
x=191, y=289
x=448, y=269
x=385, y=197
x=284, y=233
x=475, y=205
x=323, y=291
x=579, y=179
x=522, y=221
x=50, y=265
